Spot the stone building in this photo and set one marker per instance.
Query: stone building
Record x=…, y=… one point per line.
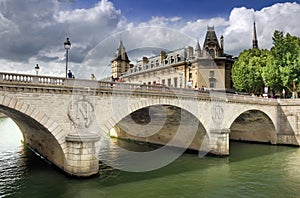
x=120, y=63
x=187, y=67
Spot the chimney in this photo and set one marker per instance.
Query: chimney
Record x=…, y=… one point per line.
x=222, y=45
x=145, y=60
x=162, y=56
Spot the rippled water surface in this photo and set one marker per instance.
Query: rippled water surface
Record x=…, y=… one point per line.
x=252, y=170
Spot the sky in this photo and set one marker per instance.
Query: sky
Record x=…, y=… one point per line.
x=33, y=31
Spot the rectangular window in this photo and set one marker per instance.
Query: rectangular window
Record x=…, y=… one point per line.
x=175, y=82
x=212, y=83
x=163, y=81
x=190, y=75
x=211, y=73
x=169, y=82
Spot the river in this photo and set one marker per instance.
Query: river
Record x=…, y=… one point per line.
x=251, y=170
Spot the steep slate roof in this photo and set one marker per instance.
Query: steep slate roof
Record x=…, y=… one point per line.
x=211, y=38
x=118, y=55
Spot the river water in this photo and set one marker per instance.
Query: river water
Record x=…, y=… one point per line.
x=252, y=170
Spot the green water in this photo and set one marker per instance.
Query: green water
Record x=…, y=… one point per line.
x=252, y=170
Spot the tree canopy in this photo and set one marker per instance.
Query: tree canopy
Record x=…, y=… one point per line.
x=247, y=70
x=278, y=68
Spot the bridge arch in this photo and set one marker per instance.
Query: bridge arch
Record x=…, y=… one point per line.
x=39, y=131
x=172, y=143
x=185, y=106
x=253, y=124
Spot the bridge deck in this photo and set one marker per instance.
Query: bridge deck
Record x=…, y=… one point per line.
x=33, y=82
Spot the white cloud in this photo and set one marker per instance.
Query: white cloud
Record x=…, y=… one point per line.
x=239, y=34
x=34, y=31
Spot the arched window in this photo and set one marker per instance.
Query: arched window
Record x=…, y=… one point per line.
x=212, y=53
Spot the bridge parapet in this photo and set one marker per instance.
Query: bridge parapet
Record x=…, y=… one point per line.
x=49, y=82
x=27, y=78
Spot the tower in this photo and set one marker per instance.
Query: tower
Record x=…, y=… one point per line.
x=121, y=62
x=254, y=42
x=211, y=47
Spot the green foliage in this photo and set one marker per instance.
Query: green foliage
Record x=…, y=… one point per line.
x=278, y=68
x=286, y=52
x=247, y=70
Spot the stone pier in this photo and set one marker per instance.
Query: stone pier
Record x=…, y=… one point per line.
x=82, y=155
x=219, y=140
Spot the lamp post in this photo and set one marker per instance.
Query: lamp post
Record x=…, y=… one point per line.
x=67, y=45
x=37, y=68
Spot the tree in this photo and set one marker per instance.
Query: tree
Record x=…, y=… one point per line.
x=247, y=70
x=285, y=67
x=271, y=74
x=278, y=68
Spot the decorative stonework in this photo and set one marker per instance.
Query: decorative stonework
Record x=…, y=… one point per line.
x=81, y=113
x=218, y=114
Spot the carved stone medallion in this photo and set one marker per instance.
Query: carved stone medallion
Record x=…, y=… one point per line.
x=81, y=113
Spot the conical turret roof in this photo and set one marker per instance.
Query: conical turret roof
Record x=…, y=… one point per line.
x=121, y=53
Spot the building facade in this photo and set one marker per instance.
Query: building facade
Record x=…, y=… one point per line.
x=207, y=68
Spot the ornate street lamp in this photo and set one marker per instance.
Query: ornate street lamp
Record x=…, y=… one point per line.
x=37, y=68
x=67, y=45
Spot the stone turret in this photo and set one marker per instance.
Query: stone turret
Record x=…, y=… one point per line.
x=121, y=62
x=211, y=47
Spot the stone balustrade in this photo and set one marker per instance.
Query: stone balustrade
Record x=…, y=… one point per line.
x=117, y=86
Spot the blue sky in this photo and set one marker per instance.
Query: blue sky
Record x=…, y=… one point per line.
x=142, y=10
x=33, y=31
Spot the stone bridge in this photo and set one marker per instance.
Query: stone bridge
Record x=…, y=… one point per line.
x=64, y=119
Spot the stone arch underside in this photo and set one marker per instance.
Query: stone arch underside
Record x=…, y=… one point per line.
x=253, y=125
x=159, y=124
x=37, y=136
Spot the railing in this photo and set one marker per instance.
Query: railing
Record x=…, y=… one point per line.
x=155, y=89
x=27, y=78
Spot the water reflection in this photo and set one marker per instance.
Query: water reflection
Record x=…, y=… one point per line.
x=251, y=170
x=12, y=157
x=11, y=135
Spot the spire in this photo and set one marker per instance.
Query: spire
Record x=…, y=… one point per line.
x=198, y=49
x=254, y=42
x=222, y=44
x=121, y=53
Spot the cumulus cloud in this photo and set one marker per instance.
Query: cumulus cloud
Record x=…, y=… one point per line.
x=34, y=31
x=239, y=33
